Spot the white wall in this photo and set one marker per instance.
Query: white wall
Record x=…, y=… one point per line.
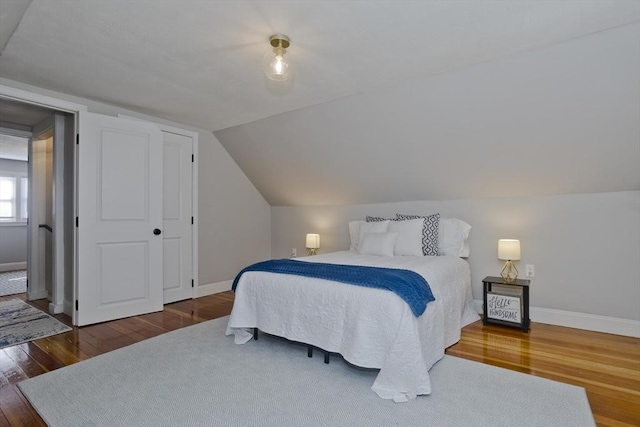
x=234, y=219
x=585, y=247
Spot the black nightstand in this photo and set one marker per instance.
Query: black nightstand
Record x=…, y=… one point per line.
x=506, y=303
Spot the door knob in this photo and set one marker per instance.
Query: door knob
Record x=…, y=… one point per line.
x=157, y=231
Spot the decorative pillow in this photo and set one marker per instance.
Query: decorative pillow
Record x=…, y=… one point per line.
x=429, y=232
x=371, y=227
x=409, y=236
x=453, y=235
x=378, y=219
x=381, y=244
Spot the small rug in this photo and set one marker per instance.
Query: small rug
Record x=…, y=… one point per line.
x=13, y=282
x=197, y=376
x=20, y=322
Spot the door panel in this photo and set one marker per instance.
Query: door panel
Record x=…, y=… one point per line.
x=120, y=269
x=123, y=180
x=177, y=211
x=128, y=282
x=172, y=256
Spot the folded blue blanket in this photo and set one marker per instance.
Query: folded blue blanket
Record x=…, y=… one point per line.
x=408, y=285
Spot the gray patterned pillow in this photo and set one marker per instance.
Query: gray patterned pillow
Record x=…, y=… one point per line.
x=429, y=231
x=379, y=219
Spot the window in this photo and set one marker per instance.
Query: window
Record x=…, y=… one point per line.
x=13, y=198
x=7, y=198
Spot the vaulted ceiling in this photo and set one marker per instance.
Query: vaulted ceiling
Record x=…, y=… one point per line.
x=391, y=100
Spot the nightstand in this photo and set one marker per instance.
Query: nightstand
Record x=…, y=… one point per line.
x=506, y=303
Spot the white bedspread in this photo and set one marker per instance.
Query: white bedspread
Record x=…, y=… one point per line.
x=371, y=328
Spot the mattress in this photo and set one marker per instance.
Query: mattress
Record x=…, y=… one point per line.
x=370, y=328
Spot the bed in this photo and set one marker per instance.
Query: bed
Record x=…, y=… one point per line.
x=370, y=328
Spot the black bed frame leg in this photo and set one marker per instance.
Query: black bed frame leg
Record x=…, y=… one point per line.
x=326, y=357
x=309, y=351
x=255, y=333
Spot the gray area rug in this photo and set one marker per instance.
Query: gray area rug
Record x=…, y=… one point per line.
x=20, y=322
x=196, y=376
x=13, y=282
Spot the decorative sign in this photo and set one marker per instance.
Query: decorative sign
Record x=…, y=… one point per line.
x=503, y=307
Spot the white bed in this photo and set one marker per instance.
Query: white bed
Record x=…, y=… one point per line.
x=371, y=328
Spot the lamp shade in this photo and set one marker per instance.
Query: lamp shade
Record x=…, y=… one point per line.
x=313, y=241
x=509, y=249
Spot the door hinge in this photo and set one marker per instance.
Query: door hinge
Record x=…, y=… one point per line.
x=77, y=139
x=193, y=158
x=76, y=305
x=192, y=284
x=76, y=222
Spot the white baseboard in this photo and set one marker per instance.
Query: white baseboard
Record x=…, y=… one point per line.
x=12, y=266
x=572, y=319
x=55, y=309
x=67, y=308
x=213, y=288
x=41, y=294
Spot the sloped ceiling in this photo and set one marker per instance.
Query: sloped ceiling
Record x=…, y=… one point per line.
x=391, y=100
x=558, y=120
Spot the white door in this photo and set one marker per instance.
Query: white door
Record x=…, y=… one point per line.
x=119, y=258
x=177, y=217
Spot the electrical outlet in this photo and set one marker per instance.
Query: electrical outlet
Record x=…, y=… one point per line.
x=529, y=270
x=294, y=252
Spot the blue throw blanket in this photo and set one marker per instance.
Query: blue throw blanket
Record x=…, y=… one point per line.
x=408, y=285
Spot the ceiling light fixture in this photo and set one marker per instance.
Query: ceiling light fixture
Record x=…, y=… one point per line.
x=276, y=67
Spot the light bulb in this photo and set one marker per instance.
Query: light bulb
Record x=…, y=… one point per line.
x=276, y=65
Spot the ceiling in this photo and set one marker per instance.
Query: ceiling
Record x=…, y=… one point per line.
x=13, y=147
x=374, y=81
x=22, y=114
x=16, y=120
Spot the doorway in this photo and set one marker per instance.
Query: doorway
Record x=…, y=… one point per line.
x=104, y=279
x=34, y=233
x=13, y=211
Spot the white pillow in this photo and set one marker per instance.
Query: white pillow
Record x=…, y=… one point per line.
x=409, y=236
x=381, y=244
x=452, y=237
x=371, y=227
x=354, y=235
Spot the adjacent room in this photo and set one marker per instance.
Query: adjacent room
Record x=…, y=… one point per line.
x=320, y=213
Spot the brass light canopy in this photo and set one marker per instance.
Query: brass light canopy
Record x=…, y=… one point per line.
x=279, y=40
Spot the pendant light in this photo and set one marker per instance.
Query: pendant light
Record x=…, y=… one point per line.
x=276, y=65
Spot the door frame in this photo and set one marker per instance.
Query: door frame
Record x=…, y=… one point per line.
x=194, y=191
x=36, y=258
x=19, y=95
x=55, y=126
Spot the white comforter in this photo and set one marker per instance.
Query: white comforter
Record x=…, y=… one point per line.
x=371, y=328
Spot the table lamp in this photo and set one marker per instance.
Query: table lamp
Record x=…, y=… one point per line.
x=313, y=243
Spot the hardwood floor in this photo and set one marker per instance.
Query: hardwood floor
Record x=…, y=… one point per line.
x=607, y=366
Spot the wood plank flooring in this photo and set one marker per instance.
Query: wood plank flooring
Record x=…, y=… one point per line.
x=607, y=366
